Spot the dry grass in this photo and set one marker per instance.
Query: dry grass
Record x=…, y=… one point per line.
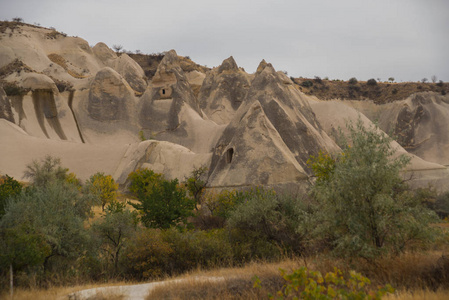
x=419, y=295
x=58, y=293
x=415, y=275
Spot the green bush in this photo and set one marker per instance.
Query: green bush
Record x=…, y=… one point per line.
x=306, y=284
x=353, y=80
x=371, y=82
x=193, y=249
x=148, y=255
x=307, y=83
x=271, y=219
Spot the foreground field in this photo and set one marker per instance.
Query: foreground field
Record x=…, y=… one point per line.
x=413, y=275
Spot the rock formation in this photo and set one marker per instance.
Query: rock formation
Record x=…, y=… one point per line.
x=92, y=107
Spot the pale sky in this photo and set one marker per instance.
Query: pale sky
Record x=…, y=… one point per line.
x=404, y=39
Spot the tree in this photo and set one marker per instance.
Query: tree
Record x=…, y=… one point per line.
x=365, y=207
x=434, y=78
x=9, y=187
x=50, y=213
x=113, y=231
x=104, y=186
x=424, y=80
x=56, y=213
x=47, y=170
x=163, y=203
x=391, y=79
x=117, y=48
x=196, y=184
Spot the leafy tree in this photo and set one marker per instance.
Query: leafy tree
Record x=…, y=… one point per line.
x=391, y=79
x=49, y=214
x=114, y=230
x=196, y=184
x=47, y=170
x=365, y=207
x=163, y=203
x=104, y=187
x=55, y=213
x=9, y=187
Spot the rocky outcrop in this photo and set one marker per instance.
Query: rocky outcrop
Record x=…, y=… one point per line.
x=289, y=113
x=270, y=138
x=5, y=107
x=110, y=98
x=223, y=91
x=251, y=152
x=167, y=93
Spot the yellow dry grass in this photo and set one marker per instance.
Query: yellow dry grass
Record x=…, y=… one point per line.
x=58, y=293
x=418, y=295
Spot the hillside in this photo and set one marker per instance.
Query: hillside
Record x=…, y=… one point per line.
x=378, y=92
x=100, y=110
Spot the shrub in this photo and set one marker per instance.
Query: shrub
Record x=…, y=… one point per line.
x=353, y=80
x=148, y=255
x=12, y=89
x=269, y=218
x=194, y=249
x=307, y=83
x=371, y=82
x=365, y=208
x=305, y=284
x=440, y=83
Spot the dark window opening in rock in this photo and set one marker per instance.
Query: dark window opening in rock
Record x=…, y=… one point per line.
x=163, y=91
x=229, y=155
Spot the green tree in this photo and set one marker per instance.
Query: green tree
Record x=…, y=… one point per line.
x=196, y=184
x=365, y=207
x=104, y=186
x=47, y=170
x=163, y=203
x=9, y=187
x=113, y=231
x=56, y=213
x=50, y=214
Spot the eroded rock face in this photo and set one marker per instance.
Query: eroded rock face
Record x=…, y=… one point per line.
x=270, y=138
x=251, y=152
x=5, y=107
x=223, y=91
x=132, y=72
x=421, y=126
x=109, y=97
x=168, y=91
x=290, y=114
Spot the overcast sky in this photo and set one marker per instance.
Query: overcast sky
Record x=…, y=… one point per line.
x=404, y=39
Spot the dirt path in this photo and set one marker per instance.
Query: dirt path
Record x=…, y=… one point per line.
x=130, y=292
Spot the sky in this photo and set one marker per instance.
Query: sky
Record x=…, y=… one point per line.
x=404, y=39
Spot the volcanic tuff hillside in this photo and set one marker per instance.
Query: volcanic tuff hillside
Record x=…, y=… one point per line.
x=91, y=106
